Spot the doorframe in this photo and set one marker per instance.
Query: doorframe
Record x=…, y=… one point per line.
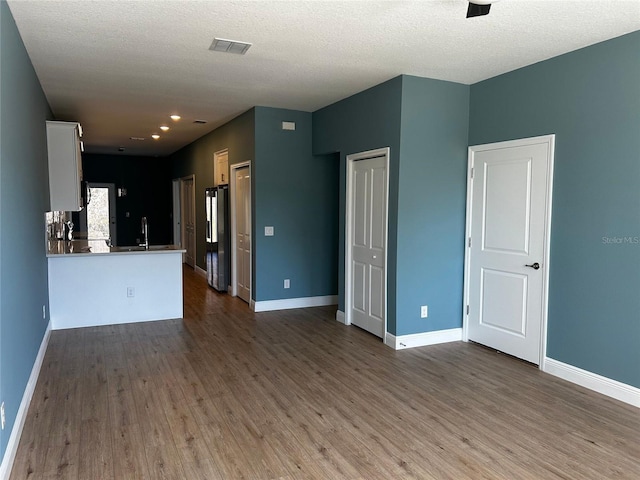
x=550, y=141
x=234, y=228
x=183, y=235
x=348, y=274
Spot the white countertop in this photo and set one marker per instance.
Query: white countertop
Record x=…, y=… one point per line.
x=76, y=248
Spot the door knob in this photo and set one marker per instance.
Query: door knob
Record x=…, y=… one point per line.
x=535, y=266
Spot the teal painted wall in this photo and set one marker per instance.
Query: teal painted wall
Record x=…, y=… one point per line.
x=425, y=122
x=431, y=204
x=296, y=193
x=24, y=193
x=365, y=121
x=291, y=189
x=238, y=136
x=590, y=99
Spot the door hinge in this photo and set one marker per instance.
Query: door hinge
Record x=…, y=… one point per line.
x=469, y=242
x=471, y=172
x=467, y=309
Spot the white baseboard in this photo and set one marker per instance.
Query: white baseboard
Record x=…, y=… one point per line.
x=21, y=416
x=606, y=386
x=201, y=271
x=340, y=317
x=287, y=303
x=423, y=339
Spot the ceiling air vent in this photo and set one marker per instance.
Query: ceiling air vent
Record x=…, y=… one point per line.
x=200, y=122
x=229, y=46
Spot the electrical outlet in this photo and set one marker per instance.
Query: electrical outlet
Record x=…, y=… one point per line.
x=424, y=311
x=2, y=419
x=287, y=283
x=268, y=231
x=131, y=292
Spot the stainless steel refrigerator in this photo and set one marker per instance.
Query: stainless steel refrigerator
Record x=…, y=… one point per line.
x=218, y=240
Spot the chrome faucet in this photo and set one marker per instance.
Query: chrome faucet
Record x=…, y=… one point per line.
x=145, y=232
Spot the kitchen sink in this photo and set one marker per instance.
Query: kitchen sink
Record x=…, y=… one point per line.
x=161, y=247
x=136, y=248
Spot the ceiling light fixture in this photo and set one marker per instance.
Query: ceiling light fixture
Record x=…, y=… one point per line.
x=164, y=128
x=229, y=46
x=155, y=136
x=478, y=8
x=175, y=117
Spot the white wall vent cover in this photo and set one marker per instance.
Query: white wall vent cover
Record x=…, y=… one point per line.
x=229, y=46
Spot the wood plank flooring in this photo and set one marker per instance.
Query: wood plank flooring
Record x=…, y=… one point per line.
x=229, y=394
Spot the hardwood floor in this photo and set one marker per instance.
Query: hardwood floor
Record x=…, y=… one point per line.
x=229, y=394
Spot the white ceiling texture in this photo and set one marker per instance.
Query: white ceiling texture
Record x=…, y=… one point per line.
x=122, y=67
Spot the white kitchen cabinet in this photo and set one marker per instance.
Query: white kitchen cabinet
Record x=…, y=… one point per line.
x=65, y=165
x=221, y=168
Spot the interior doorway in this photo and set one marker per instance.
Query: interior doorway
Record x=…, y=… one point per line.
x=241, y=236
x=188, y=218
x=507, y=254
x=176, y=212
x=366, y=240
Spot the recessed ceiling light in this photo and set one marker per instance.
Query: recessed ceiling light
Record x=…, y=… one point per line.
x=229, y=46
x=155, y=136
x=175, y=118
x=164, y=128
x=138, y=139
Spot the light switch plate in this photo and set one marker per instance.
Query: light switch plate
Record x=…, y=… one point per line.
x=268, y=231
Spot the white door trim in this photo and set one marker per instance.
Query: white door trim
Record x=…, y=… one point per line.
x=234, y=227
x=550, y=141
x=351, y=159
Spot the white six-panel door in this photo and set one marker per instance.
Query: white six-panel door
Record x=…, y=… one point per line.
x=507, y=253
x=367, y=244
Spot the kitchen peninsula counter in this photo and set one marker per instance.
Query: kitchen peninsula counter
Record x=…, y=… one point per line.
x=100, y=247
x=92, y=284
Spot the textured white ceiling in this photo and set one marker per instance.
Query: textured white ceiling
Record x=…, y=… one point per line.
x=121, y=67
